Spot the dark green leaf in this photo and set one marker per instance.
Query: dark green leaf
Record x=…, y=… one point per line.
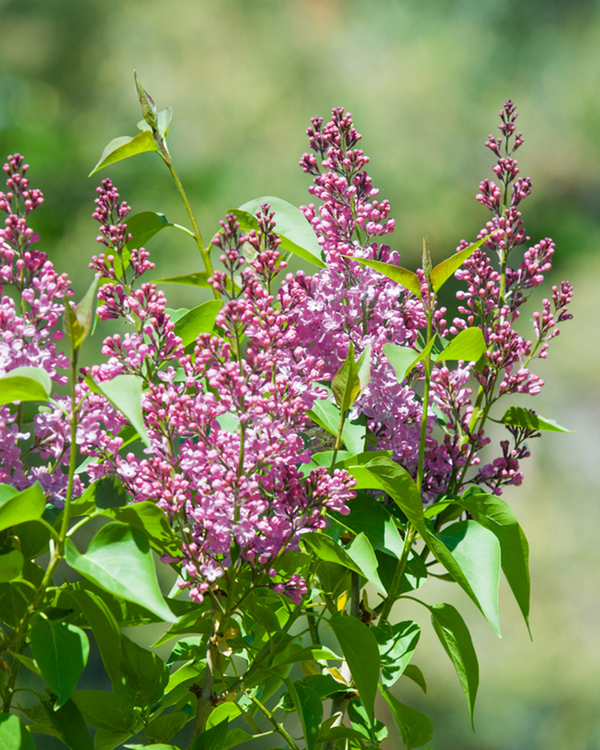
x=456, y=640
x=371, y=517
x=198, y=320
x=339, y=733
x=190, y=279
x=111, y=712
x=311, y=714
x=119, y=560
x=125, y=393
x=166, y=726
x=414, y=673
x=497, y=516
x=105, y=628
x=143, y=226
x=442, y=272
x=362, y=723
x=104, y=740
x=25, y=384
x=61, y=651
x=477, y=551
x=186, y=649
x=124, y=147
x=416, y=729
x=71, y=725
x=78, y=319
x=516, y=416
x=468, y=345
x=13, y=735
x=11, y=563
x=361, y=651
x=297, y=235
x=14, y=600
x=329, y=550
x=408, y=279
x=143, y=674
x=212, y=739
x=34, y=539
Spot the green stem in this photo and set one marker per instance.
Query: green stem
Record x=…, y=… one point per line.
x=276, y=725
x=398, y=573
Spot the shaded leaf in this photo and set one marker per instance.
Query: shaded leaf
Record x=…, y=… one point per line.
x=414, y=673
x=371, y=517
x=416, y=729
x=71, y=725
x=61, y=651
x=212, y=739
x=325, y=548
x=125, y=393
x=397, y=644
x=110, y=712
x=153, y=521
x=13, y=735
x=143, y=226
x=11, y=563
x=516, y=416
x=143, y=675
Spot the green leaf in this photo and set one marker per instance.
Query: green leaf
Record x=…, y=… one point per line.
x=61, y=651
x=311, y=713
x=190, y=279
x=362, y=723
x=346, y=383
x=297, y=235
x=166, y=726
x=408, y=279
x=371, y=517
x=416, y=728
x=442, y=272
x=498, y=517
x=125, y=393
x=328, y=416
x=401, y=359
x=25, y=384
x=77, y=321
x=123, y=147
x=119, y=560
x=361, y=651
x=198, y=320
x=212, y=739
x=110, y=712
x=477, y=551
x=13, y=735
x=143, y=674
x=361, y=551
x=310, y=653
x=363, y=368
x=11, y=563
x=34, y=537
x=468, y=345
x=153, y=521
x=327, y=549
x=143, y=226
x=27, y=505
x=14, y=600
x=456, y=640
x=149, y=109
x=414, y=673
x=104, y=740
x=71, y=725
x=516, y=416
x=105, y=628
x=339, y=733
x=397, y=644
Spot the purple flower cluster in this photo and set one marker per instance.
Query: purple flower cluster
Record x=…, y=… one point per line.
x=348, y=303
x=225, y=420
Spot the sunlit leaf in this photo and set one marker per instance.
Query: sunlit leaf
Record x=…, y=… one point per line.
x=124, y=147
x=517, y=416
x=198, y=320
x=25, y=384
x=468, y=345
x=408, y=279
x=18, y=507
x=125, y=393
x=442, y=272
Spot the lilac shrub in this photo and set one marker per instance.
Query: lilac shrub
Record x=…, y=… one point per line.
x=280, y=447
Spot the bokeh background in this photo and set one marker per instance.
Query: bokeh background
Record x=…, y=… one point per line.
x=424, y=81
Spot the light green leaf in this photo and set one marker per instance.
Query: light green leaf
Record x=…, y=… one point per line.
x=190, y=279
x=477, y=551
x=361, y=651
x=119, y=560
x=442, y=272
x=77, y=321
x=110, y=712
x=416, y=728
x=104, y=740
x=397, y=644
x=11, y=563
x=105, y=628
x=363, y=368
x=297, y=235
x=125, y=393
x=516, y=416
x=456, y=640
x=346, y=383
x=124, y=147
x=408, y=279
x=496, y=515
x=468, y=345
x=361, y=551
x=61, y=651
x=325, y=548
x=327, y=416
x=13, y=735
x=25, y=384
x=198, y=320
x=401, y=359
x=19, y=507
x=143, y=226
x=371, y=517
x=153, y=521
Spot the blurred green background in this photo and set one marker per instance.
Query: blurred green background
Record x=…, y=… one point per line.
x=424, y=81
